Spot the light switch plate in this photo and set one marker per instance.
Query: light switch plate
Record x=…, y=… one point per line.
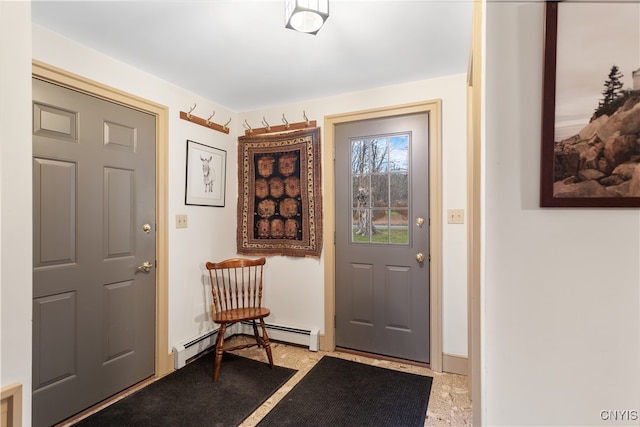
x=455, y=216
x=181, y=221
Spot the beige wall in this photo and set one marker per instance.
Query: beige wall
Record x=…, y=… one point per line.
x=561, y=299
x=15, y=199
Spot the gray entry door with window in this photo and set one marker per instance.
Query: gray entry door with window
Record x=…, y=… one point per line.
x=94, y=250
x=382, y=236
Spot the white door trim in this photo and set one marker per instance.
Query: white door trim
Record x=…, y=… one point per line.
x=434, y=108
x=163, y=359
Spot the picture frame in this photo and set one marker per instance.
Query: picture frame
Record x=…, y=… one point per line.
x=588, y=159
x=206, y=175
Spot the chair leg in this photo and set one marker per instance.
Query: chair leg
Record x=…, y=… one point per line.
x=219, y=351
x=255, y=333
x=265, y=342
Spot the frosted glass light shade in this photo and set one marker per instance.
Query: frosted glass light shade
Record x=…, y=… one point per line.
x=306, y=16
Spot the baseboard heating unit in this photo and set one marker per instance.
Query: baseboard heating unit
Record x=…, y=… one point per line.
x=310, y=337
x=187, y=350
x=192, y=347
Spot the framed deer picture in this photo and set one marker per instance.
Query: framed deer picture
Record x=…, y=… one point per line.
x=206, y=175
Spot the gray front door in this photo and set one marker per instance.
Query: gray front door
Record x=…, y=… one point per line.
x=93, y=227
x=382, y=236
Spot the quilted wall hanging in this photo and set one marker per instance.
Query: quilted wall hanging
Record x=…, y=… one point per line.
x=280, y=194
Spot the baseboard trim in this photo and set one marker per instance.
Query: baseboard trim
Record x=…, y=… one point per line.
x=455, y=364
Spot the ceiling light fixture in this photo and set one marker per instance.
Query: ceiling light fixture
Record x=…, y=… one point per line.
x=306, y=16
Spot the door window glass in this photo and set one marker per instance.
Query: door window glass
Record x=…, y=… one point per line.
x=380, y=189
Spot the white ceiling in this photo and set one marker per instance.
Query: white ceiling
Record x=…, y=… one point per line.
x=238, y=54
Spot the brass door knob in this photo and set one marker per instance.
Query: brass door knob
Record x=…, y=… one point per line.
x=420, y=257
x=146, y=267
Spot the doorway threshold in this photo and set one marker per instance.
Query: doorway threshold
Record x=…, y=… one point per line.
x=383, y=357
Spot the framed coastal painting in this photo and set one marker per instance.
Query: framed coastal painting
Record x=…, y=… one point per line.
x=591, y=105
x=206, y=175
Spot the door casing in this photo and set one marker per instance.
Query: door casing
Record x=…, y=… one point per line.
x=434, y=108
x=163, y=359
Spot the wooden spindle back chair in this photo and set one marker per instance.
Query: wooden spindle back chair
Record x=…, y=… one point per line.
x=236, y=285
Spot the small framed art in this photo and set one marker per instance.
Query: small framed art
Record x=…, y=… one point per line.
x=206, y=175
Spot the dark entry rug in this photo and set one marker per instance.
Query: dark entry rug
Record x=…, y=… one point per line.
x=189, y=397
x=338, y=392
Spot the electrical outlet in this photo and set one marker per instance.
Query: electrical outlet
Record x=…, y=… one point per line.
x=455, y=216
x=181, y=221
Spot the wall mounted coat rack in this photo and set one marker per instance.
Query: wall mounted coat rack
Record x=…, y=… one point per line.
x=278, y=128
x=204, y=122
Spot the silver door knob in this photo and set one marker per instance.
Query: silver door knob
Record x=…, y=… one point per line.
x=146, y=267
x=419, y=257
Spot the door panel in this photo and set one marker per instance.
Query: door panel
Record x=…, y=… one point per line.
x=362, y=303
x=55, y=181
x=54, y=319
x=382, y=290
x=118, y=339
x=118, y=212
x=94, y=310
x=398, y=298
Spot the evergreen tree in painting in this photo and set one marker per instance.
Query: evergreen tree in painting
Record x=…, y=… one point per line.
x=612, y=91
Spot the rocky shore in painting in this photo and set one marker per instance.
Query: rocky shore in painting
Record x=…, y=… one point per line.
x=603, y=159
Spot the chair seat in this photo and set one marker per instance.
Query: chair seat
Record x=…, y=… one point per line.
x=240, y=314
